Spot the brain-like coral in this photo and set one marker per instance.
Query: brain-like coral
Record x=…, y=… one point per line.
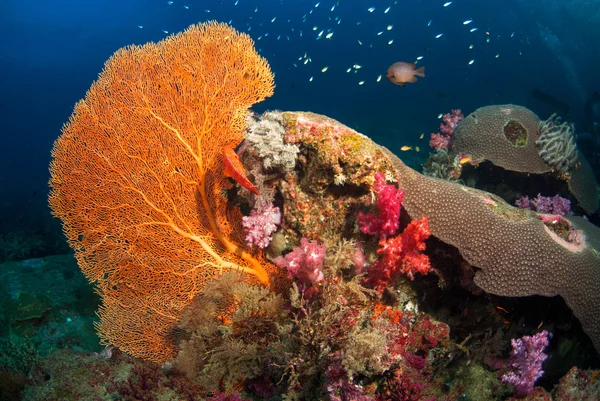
x=517, y=252
x=505, y=135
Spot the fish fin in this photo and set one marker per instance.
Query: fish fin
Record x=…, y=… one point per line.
x=420, y=72
x=412, y=79
x=399, y=83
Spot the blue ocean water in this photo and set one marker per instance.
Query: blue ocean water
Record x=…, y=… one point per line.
x=329, y=57
x=52, y=51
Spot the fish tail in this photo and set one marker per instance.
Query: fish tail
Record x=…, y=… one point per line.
x=420, y=72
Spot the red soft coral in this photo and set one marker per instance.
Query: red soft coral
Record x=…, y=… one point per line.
x=401, y=254
x=389, y=202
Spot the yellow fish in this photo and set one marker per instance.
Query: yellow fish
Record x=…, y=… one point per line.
x=421, y=136
x=405, y=148
x=465, y=160
x=417, y=149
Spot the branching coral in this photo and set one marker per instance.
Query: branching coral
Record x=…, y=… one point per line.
x=137, y=179
x=557, y=144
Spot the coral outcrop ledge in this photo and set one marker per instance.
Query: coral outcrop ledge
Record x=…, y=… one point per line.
x=517, y=252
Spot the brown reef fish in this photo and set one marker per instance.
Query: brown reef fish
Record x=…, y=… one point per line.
x=399, y=73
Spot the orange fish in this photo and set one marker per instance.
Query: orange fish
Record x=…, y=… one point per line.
x=235, y=170
x=399, y=73
x=465, y=159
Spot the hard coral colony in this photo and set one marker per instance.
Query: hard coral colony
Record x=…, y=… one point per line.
x=309, y=290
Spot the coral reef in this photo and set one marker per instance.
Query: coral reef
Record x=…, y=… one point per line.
x=321, y=300
x=333, y=177
x=67, y=375
x=401, y=254
x=514, y=139
x=521, y=255
x=557, y=145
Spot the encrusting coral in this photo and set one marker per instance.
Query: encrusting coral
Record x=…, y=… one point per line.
x=503, y=134
x=137, y=179
x=517, y=252
x=557, y=144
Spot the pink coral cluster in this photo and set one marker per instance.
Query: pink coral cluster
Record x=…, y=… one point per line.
x=443, y=140
x=261, y=224
x=401, y=254
x=389, y=202
x=305, y=262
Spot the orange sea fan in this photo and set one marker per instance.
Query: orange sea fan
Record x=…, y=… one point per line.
x=137, y=179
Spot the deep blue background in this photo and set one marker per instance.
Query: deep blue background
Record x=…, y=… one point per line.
x=51, y=51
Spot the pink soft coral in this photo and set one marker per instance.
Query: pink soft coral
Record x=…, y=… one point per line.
x=389, y=201
x=450, y=121
x=439, y=141
x=304, y=262
x=261, y=224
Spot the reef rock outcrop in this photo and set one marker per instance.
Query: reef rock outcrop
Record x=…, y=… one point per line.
x=518, y=252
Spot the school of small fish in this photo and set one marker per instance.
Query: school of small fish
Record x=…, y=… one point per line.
x=332, y=9
x=322, y=20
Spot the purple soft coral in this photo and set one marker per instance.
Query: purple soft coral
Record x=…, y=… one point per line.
x=526, y=361
x=389, y=201
x=261, y=224
x=305, y=262
x=546, y=204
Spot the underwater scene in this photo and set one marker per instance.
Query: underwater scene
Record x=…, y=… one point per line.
x=343, y=200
